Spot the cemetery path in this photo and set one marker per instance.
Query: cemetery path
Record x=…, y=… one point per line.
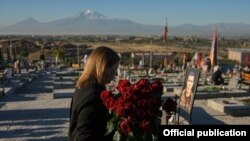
x=31, y=113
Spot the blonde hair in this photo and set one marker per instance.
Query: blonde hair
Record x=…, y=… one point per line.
x=100, y=58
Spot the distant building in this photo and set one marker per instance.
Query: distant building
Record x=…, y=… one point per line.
x=240, y=55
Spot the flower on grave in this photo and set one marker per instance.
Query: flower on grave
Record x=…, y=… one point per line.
x=135, y=110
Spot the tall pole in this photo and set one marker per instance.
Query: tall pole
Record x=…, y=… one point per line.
x=78, y=57
x=150, y=55
x=165, y=39
x=166, y=33
x=11, y=52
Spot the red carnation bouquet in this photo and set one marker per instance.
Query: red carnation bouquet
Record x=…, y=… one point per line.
x=135, y=110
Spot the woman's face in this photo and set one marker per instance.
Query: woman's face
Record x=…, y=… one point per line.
x=110, y=73
x=190, y=83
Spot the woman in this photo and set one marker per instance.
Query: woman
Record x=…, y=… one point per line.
x=88, y=116
x=187, y=93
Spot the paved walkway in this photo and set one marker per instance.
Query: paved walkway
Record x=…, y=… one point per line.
x=31, y=113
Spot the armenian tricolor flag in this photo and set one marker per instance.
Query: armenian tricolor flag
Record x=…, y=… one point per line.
x=213, y=53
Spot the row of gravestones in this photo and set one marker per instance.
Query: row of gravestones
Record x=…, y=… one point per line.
x=9, y=85
x=186, y=113
x=64, y=84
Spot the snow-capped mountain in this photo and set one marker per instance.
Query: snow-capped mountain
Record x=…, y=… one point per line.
x=90, y=14
x=91, y=22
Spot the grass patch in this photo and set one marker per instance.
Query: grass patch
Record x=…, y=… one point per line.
x=212, y=89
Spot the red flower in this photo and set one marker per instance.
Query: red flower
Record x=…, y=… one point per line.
x=105, y=95
x=109, y=103
x=136, y=107
x=129, y=106
x=122, y=85
x=143, y=82
x=128, y=92
x=131, y=117
x=140, y=84
x=125, y=126
x=121, y=112
x=145, y=125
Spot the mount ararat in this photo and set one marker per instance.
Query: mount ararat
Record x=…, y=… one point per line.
x=89, y=22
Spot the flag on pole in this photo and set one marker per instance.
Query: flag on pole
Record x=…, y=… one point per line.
x=195, y=56
x=165, y=33
x=10, y=53
x=213, y=53
x=246, y=59
x=132, y=55
x=184, y=58
x=150, y=59
x=165, y=62
x=143, y=59
x=199, y=59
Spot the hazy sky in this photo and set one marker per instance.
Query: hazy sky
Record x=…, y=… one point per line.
x=198, y=12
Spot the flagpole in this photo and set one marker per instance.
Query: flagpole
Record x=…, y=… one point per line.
x=165, y=37
x=213, y=52
x=166, y=30
x=150, y=55
x=78, y=57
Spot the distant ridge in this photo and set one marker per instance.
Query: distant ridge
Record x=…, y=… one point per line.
x=91, y=22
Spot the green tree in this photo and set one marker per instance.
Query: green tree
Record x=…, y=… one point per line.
x=58, y=53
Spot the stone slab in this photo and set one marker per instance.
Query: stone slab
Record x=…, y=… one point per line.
x=63, y=85
x=216, y=94
x=229, y=106
x=172, y=84
x=63, y=93
x=65, y=78
x=66, y=73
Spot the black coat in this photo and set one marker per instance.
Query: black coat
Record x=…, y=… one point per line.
x=88, y=116
x=217, y=77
